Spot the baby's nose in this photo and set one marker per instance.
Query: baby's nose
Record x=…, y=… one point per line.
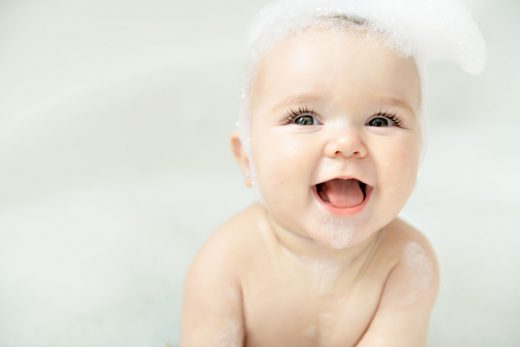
x=346, y=143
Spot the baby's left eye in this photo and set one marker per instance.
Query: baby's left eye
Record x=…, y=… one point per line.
x=379, y=122
x=384, y=120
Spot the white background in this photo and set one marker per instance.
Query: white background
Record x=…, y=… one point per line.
x=114, y=168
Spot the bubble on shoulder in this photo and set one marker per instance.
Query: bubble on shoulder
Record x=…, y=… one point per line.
x=414, y=248
x=414, y=258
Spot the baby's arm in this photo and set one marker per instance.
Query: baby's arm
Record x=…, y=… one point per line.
x=403, y=314
x=212, y=304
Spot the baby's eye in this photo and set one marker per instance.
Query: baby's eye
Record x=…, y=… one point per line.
x=302, y=116
x=379, y=122
x=384, y=120
x=306, y=119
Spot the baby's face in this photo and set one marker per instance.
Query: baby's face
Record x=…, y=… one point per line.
x=329, y=110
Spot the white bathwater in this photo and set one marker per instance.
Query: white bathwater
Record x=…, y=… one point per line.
x=114, y=168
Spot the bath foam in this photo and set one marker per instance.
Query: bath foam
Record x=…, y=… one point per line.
x=421, y=268
x=339, y=232
x=324, y=271
x=426, y=29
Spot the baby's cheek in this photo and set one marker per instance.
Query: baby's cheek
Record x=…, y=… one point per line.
x=282, y=172
x=280, y=159
x=401, y=164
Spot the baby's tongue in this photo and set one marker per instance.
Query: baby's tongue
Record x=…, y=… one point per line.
x=343, y=193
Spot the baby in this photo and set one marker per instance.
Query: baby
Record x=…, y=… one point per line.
x=331, y=139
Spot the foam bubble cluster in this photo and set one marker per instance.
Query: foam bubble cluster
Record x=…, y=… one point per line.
x=429, y=30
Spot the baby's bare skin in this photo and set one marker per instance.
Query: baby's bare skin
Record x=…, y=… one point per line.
x=329, y=268
x=246, y=288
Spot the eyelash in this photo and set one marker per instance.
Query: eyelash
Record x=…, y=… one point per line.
x=392, y=116
x=304, y=110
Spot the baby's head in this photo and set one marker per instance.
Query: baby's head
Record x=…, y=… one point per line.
x=330, y=133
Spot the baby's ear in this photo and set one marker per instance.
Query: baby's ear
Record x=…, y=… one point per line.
x=241, y=157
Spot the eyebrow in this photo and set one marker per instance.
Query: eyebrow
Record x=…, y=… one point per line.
x=314, y=98
x=296, y=99
x=399, y=103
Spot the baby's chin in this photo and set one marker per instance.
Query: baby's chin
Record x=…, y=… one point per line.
x=339, y=233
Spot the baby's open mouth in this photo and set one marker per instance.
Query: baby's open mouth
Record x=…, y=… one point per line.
x=342, y=193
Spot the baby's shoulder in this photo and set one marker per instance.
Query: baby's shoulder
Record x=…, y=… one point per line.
x=399, y=237
x=409, y=259
x=402, y=248
x=406, y=263
x=233, y=243
x=212, y=303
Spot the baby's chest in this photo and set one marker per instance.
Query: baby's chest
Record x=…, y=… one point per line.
x=280, y=314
